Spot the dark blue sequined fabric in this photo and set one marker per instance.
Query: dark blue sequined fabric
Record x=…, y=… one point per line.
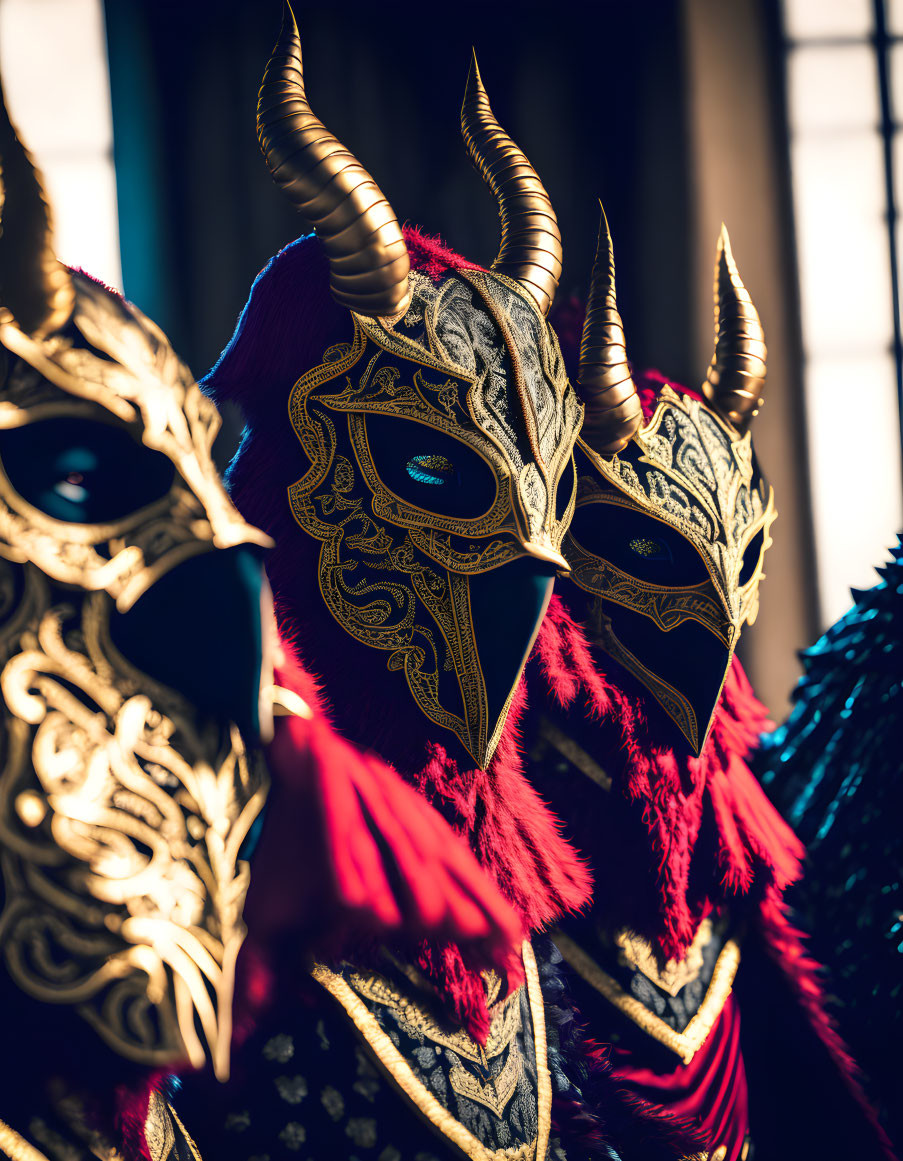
x=835, y=769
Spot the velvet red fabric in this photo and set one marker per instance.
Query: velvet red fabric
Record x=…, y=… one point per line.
x=364, y=852
x=709, y=1092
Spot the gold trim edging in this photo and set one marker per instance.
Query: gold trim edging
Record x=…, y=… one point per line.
x=403, y=1075
x=685, y=1044
x=15, y=1147
x=676, y=974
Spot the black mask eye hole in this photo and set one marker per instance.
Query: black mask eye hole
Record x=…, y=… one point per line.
x=83, y=471
x=433, y=469
x=429, y=468
x=638, y=545
x=648, y=548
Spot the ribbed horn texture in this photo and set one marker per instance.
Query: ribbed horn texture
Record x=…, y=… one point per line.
x=368, y=259
x=736, y=377
x=530, y=250
x=612, y=412
x=34, y=287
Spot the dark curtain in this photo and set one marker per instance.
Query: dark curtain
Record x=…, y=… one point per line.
x=591, y=93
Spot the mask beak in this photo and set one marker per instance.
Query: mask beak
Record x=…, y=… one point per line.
x=687, y=693
x=507, y=606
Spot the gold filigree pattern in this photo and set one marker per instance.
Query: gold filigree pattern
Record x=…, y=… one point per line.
x=357, y=992
x=166, y=1136
x=415, y=1014
x=666, y=607
x=143, y=385
x=121, y=817
x=495, y=1094
x=165, y=1133
x=676, y=973
x=125, y=899
x=695, y=473
x=684, y=1044
x=421, y=1024
x=393, y=573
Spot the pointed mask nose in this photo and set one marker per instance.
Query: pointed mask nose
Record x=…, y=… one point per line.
x=507, y=606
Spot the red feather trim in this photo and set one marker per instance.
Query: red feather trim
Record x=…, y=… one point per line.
x=513, y=832
x=430, y=256
x=751, y=841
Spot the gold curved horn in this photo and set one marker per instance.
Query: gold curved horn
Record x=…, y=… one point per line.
x=530, y=250
x=35, y=287
x=368, y=259
x=612, y=407
x=736, y=376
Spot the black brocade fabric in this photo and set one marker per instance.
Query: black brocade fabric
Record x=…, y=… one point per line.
x=440, y=1055
x=676, y=1011
x=568, y=1064
x=304, y=1088
x=532, y=335
x=473, y=341
x=613, y=1026
x=595, y=1115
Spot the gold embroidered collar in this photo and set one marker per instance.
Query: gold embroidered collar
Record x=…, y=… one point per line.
x=686, y=1043
x=354, y=989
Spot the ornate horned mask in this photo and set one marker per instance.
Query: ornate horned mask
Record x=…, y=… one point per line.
x=123, y=806
x=672, y=516
x=440, y=438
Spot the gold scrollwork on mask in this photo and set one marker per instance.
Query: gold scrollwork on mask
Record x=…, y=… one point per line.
x=692, y=473
x=394, y=574
x=143, y=385
x=695, y=473
x=122, y=811
x=125, y=898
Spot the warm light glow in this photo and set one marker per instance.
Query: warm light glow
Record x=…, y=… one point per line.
x=54, y=60
x=840, y=204
x=832, y=88
x=817, y=18
x=855, y=471
x=31, y=807
x=843, y=250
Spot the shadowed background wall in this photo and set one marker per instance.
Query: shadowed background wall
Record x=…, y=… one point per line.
x=671, y=111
